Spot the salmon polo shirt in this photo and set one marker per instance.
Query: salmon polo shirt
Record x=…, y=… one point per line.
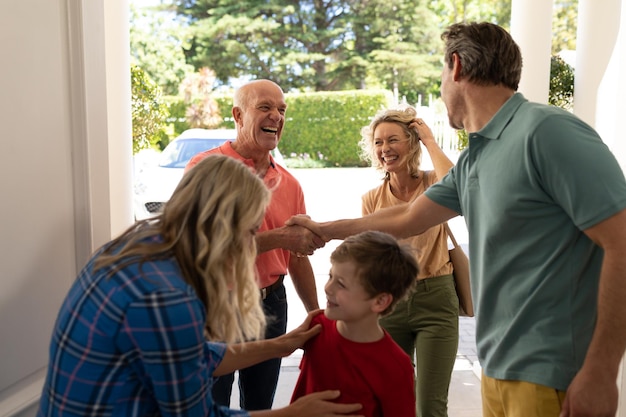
x=287, y=201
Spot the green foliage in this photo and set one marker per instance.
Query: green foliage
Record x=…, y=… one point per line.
x=326, y=126
x=564, y=25
x=156, y=45
x=318, y=46
x=147, y=109
x=341, y=45
x=177, y=107
x=462, y=139
x=402, y=56
x=225, y=104
x=561, y=84
x=175, y=122
x=454, y=11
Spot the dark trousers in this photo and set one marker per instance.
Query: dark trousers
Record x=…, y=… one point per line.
x=257, y=384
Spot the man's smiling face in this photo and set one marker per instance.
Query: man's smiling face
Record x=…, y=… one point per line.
x=263, y=117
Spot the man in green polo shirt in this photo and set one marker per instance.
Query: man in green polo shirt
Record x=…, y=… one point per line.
x=544, y=202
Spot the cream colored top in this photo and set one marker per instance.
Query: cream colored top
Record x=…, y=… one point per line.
x=431, y=247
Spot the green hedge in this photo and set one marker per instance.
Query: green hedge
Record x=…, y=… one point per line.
x=326, y=126
x=225, y=104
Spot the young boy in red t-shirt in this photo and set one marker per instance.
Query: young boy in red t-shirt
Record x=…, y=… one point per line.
x=369, y=273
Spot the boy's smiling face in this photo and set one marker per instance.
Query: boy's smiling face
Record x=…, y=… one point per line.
x=347, y=299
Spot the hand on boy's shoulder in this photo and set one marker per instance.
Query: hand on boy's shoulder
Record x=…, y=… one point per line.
x=318, y=318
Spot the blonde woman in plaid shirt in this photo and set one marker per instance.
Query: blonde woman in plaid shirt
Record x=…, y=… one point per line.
x=131, y=336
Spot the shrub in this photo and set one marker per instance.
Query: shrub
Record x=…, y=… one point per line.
x=147, y=110
x=325, y=126
x=561, y=84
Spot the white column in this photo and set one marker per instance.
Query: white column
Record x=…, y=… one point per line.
x=610, y=114
x=531, y=27
x=612, y=106
x=117, y=42
x=597, y=62
x=600, y=89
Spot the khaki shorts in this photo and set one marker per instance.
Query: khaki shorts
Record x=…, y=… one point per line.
x=519, y=399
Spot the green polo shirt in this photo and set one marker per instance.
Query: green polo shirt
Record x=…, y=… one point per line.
x=529, y=183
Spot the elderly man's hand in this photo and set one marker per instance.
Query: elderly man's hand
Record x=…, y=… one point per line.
x=301, y=240
x=305, y=221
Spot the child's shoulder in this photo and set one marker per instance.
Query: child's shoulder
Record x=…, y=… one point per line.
x=321, y=319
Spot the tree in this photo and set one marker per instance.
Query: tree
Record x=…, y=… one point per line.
x=320, y=45
x=290, y=42
x=402, y=56
x=561, y=84
x=454, y=11
x=202, y=109
x=156, y=45
x=564, y=25
x=332, y=45
x=147, y=110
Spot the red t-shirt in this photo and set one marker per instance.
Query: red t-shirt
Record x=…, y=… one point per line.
x=379, y=375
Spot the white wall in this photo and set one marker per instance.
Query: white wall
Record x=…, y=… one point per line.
x=55, y=177
x=37, y=238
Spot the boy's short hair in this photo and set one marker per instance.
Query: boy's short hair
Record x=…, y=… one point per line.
x=383, y=264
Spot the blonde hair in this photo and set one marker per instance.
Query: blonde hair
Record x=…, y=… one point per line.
x=402, y=116
x=208, y=226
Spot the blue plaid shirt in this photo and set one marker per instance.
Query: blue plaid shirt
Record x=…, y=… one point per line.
x=132, y=345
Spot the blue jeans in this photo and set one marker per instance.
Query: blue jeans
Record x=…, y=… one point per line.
x=257, y=384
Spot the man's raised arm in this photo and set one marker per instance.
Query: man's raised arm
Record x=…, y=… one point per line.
x=401, y=221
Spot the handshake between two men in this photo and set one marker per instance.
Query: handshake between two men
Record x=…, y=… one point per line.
x=303, y=235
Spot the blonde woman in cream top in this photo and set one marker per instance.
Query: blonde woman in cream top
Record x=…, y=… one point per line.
x=425, y=324
x=433, y=262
